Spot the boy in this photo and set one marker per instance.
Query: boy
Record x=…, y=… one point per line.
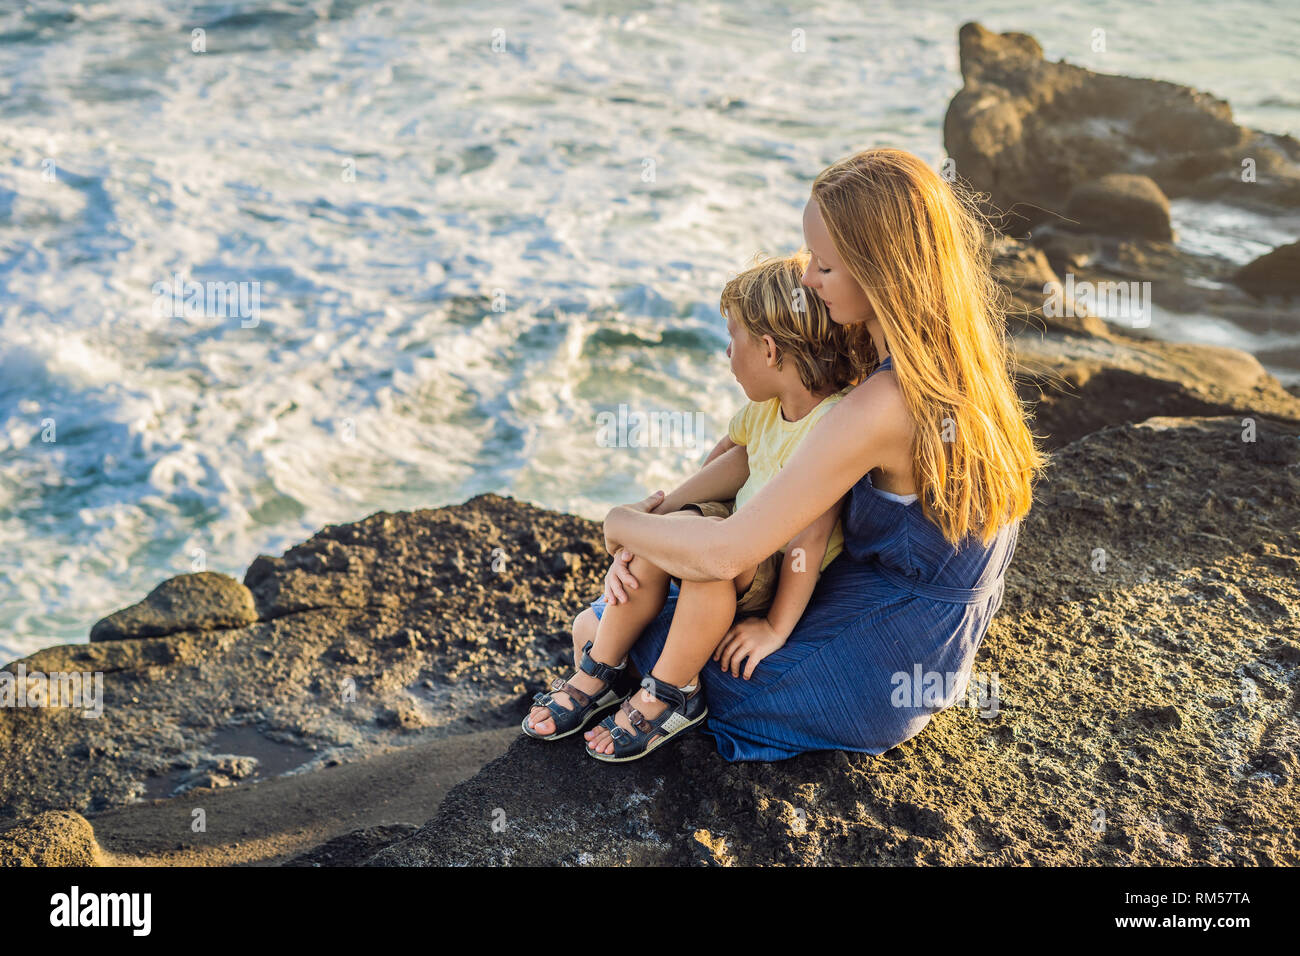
x=794, y=364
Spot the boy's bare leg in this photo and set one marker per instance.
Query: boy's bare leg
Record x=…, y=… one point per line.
x=584, y=630
x=704, y=614
x=614, y=633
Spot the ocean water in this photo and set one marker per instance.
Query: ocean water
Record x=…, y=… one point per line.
x=470, y=232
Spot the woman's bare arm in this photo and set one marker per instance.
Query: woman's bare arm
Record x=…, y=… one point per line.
x=718, y=480
x=869, y=427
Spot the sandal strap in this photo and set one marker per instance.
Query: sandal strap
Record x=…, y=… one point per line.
x=594, y=668
x=635, y=717
x=550, y=703
x=583, y=701
x=670, y=694
x=580, y=698
x=644, y=730
x=644, y=727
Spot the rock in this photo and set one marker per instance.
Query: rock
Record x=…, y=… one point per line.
x=202, y=780
x=1080, y=374
x=405, y=716
x=319, y=670
x=1274, y=273
x=396, y=560
x=1145, y=537
x=225, y=770
x=1122, y=234
x=1073, y=755
x=322, y=573
x=1026, y=275
x=205, y=601
x=1176, y=286
x=1121, y=204
x=1077, y=386
x=354, y=848
x=1029, y=132
x=52, y=838
x=234, y=766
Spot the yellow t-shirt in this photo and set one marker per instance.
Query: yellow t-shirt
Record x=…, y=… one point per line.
x=770, y=441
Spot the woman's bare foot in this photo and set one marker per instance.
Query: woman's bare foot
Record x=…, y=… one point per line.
x=650, y=706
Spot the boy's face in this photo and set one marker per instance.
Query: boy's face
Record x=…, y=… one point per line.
x=753, y=361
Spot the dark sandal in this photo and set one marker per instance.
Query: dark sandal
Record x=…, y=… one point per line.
x=681, y=714
x=585, y=706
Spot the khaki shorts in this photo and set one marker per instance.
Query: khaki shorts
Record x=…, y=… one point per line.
x=756, y=598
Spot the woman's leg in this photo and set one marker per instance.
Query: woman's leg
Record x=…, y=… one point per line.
x=704, y=614
x=614, y=633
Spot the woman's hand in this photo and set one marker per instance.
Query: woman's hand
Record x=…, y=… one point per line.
x=618, y=578
x=753, y=638
x=645, y=504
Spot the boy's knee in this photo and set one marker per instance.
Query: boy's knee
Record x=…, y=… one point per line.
x=584, y=625
x=642, y=569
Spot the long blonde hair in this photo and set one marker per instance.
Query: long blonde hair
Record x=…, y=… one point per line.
x=915, y=244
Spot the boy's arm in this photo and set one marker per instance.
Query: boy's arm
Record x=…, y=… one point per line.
x=724, y=444
x=794, y=587
x=719, y=480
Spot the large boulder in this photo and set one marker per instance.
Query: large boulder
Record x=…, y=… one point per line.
x=1084, y=164
x=1028, y=132
x=1274, y=273
x=1120, y=204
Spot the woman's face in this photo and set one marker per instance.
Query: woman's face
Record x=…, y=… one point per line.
x=826, y=274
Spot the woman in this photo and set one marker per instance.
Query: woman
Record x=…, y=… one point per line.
x=934, y=454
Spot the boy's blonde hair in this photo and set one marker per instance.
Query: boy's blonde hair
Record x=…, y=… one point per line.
x=770, y=299
x=915, y=244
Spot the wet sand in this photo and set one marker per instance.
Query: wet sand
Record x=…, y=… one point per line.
x=271, y=822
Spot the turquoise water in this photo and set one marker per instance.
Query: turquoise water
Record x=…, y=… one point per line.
x=461, y=254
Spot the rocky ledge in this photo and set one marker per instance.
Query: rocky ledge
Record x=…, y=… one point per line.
x=1147, y=661
x=383, y=633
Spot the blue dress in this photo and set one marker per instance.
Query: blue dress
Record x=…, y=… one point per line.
x=888, y=639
